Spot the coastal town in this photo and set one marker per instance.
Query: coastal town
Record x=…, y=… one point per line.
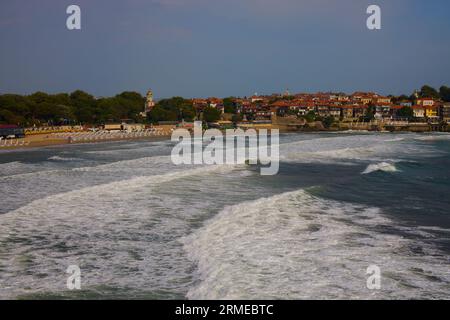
x=426, y=110
x=325, y=111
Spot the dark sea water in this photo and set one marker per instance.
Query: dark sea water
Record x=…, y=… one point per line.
x=141, y=228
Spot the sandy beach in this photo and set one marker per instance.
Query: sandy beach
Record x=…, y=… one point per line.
x=45, y=140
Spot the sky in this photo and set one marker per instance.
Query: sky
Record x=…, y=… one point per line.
x=204, y=48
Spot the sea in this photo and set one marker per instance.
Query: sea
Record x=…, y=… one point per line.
x=139, y=227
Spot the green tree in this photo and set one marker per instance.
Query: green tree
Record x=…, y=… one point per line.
x=429, y=92
x=159, y=113
x=444, y=93
x=211, y=114
x=16, y=108
x=229, y=105
x=406, y=112
x=370, y=114
x=8, y=117
x=398, y=99
x=173, y=109
x=130, y=104
x=236, y=118
x=310, y=116
x=84, y=106
x=328, y=121
x=109, y=110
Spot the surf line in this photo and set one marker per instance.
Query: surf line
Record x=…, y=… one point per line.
x=237, y=147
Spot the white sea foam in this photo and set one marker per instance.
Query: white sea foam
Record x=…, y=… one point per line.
x=126, y=233
x=434, y=137
x=297, y=246
x=115, y=188
x=352, y=149
x=58, y=158
x=121, y=233
x=395, y=140
x=17, y=168
x=336, y=149
x=246, y=173
x=142, y=147
x=8, y=168
x=383, y=166
x=125, y=164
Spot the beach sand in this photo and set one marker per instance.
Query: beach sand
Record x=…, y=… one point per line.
x=44, y=140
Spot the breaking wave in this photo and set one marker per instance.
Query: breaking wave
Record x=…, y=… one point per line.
x=383, y=166
x=122, y=233
x=58, y=158
x=298, y=246
x=119, y=187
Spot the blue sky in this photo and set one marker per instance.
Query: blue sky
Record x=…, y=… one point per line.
x=201, y=48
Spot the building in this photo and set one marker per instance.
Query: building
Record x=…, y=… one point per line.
x=419, y=112
x=359, y=111
x=347, y=112
x=113, y=127
x=323, y=110
x=383, y=111
x=343, y=98
x=11, y=131
x=149, y=103
x=431, y=112
x=406, y=103
x=445, y=112
x=425, y=102
x=334, y=112
x=382, y=100
x=394, y=112
x=256, y=98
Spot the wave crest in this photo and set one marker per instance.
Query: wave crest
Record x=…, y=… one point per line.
x=298, y=246
x=383, y=166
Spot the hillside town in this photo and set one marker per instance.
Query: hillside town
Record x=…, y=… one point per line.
x=337, y=111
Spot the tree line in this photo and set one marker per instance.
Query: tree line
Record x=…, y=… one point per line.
x=77, y=107
x=425, y=92
x=80, y=107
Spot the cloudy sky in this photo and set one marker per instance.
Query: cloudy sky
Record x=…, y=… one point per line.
x=223, y=47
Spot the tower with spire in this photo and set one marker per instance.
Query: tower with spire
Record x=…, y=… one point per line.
x=149, y=103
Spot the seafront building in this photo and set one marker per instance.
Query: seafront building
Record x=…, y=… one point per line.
x=341, y=107
x=445, y=112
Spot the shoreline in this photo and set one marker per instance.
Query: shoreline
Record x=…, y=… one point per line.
x=45, y=140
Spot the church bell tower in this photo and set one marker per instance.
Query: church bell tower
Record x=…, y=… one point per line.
x=149, y=103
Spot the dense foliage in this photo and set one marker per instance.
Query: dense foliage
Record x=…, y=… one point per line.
x=229, y=105
x=406, y=112
x=430, y=92
x=211, y=114
x=78, y=107
x=174, y=109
